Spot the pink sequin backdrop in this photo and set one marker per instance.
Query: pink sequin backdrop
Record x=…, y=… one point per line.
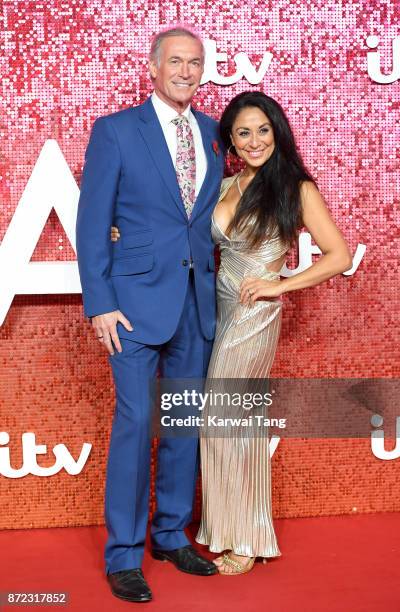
x=65, y=63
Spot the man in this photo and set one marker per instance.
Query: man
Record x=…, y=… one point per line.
x=155, y=172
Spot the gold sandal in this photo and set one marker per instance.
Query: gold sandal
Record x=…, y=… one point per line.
x=238, y=567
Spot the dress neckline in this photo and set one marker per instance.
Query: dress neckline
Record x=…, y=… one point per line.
x=217, y=225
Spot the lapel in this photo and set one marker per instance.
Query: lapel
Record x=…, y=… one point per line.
x=206, y=137
x=153, y=135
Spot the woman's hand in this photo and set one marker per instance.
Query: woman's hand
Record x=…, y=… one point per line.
x=252, y=289
x=115, y=235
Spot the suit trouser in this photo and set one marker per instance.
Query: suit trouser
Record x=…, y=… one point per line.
x=185, y=355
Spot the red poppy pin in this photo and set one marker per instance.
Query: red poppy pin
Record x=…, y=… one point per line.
x=215, y=147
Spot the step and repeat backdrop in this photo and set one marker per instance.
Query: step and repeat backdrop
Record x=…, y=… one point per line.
x=334, y=67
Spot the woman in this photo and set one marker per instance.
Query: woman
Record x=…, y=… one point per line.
x=257, y=218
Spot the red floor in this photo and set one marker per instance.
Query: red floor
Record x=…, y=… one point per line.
x=346, y=564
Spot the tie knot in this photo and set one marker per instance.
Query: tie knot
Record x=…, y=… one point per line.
x=180, y=120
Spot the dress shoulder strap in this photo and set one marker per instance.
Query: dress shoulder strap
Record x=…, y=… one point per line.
x=225, y=185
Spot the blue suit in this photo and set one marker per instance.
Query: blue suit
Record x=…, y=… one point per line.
x=129, y=180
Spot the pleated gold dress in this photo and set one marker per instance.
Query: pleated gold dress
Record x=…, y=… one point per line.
x=236, y=470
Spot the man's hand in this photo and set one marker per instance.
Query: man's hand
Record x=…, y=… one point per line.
x=105, y=327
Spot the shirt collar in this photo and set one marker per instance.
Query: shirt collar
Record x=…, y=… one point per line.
x=166, y=113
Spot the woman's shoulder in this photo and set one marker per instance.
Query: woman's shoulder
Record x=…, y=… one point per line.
x=308, y=187
x=227, y=181
x=225, y=185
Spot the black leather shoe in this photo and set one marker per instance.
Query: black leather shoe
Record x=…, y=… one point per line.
x=130, y=585
x=187, y=560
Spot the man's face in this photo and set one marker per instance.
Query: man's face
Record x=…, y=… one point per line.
x=177, y=75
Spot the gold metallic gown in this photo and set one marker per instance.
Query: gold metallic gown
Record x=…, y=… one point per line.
x=236, y=471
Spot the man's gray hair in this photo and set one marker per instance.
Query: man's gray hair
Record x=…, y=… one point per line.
x=155, y=51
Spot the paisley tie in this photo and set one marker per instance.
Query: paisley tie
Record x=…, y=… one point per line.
x=185, y=162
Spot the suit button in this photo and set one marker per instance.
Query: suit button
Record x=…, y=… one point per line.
x=185, y=262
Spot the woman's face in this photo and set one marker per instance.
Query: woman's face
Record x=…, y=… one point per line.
x=253, y=137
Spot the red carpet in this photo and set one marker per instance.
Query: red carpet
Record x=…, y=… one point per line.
x=329, y=564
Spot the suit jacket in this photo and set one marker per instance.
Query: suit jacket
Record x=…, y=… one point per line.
x=129, y=180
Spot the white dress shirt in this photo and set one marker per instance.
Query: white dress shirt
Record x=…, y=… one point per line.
x=166, y=114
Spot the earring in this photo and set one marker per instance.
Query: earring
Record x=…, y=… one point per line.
x=229, y=150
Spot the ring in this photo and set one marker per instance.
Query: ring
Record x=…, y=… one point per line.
x=100, y=337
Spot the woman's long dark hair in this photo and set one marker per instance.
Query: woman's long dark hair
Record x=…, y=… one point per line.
x=272, y=198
